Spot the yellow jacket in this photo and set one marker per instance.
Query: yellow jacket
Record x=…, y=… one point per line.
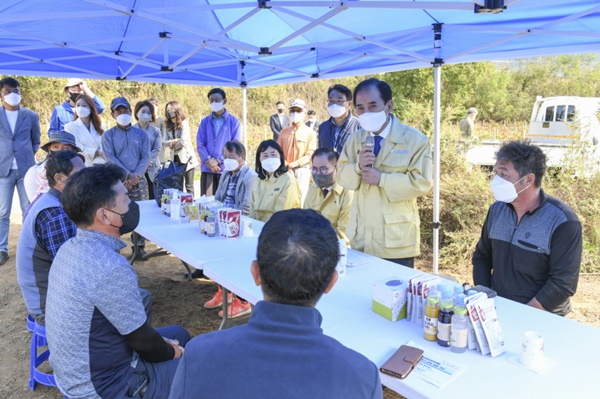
x=335, y=207
x=274, y=194
x=384, y=220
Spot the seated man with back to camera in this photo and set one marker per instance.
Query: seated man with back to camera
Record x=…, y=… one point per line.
x=99, y=335
x=282, y=351
x=531, y=243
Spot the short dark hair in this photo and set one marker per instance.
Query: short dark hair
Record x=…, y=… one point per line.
x=262, y=175
x=297, y=253
x=311, y=112
x=9, y=82
x=145, y=103
x=237, y=147
x=330, y=153
x=280, y=102
x=59, y=162
x=89, y=190
x=525, y=157
x=384, y=89
x=342, y=89
x=217, y=90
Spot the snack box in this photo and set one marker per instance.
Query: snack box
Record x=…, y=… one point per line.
x=389, y=298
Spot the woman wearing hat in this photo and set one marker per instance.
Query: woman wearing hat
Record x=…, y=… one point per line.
x=35, y=180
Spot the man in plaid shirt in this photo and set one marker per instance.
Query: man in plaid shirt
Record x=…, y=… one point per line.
x=45, y=229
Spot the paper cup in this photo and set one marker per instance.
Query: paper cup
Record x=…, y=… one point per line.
x=532, y=354
x=247, y=227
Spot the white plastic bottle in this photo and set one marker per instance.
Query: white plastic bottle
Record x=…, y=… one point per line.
x=459, y=330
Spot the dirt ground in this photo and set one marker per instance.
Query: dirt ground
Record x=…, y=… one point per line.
x=175, y=301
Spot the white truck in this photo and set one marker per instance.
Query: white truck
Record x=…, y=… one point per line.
x=566, y=128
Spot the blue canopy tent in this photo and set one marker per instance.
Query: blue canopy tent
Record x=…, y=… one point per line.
x=254, y=43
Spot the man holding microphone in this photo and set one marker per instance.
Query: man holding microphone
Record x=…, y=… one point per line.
x=388, y=164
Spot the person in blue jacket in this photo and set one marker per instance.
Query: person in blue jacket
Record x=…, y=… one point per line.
x=64, y=113
x=282, y=351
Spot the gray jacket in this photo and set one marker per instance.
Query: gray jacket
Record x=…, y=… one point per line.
x=22, y=145
x=243, y=190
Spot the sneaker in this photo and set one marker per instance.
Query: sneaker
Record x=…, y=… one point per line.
x=3, y=257
x=237, y=309
x=217, y=300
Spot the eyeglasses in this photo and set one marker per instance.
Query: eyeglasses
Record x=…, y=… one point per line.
x=337, y=102
x=322, y=170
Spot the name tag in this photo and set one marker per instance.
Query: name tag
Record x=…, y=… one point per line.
x=400, y=152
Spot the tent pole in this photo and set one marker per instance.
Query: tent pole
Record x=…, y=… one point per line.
x=244, y=119
x=437, y=90
x=437, y=72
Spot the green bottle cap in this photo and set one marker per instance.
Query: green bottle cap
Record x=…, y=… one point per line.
x=447, y=305
x=433, y=300
x=460, y=310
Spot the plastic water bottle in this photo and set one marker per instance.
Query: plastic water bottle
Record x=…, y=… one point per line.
x=459, y=330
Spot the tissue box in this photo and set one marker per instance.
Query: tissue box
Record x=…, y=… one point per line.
x=389, y=298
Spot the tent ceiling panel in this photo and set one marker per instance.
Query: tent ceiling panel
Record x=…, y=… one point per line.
x=255, y=43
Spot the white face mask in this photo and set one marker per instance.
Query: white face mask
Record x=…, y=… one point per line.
x=296, y=117
x=336, y=110
x=216, y=107
x=124, y=119
x=82, y=112
x=271, y=164
x=144, y=117
x=372, y=121
x=12, y=99
x=230, y=164
x=504, y=190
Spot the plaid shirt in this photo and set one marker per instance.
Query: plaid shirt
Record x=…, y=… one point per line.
x=53, y=228
x=229, y=200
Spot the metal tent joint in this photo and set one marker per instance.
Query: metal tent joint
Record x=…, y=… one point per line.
x=264, y=4
x=264, y=51
x=490, y=7
x=314, y=75
x=164, y=35
x=437, y=62
x=166, y=68
x=436, y=225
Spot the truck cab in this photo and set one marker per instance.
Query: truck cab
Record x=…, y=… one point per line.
x=566, y=128
x=565, y=120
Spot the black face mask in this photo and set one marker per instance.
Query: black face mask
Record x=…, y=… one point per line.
x=130, y=219
x=73, y=96
x=171, y=114
x=280, y=110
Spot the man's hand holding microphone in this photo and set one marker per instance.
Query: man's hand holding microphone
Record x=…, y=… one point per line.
x=366, y=160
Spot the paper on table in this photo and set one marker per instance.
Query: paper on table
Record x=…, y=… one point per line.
x=435, y=369
x=357, y=258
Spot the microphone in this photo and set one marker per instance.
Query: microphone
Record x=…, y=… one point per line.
x=369, y=144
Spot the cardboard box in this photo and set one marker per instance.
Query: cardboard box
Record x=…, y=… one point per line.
x=389, y=298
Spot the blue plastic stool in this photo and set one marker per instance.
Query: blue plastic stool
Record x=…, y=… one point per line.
x=38, y=339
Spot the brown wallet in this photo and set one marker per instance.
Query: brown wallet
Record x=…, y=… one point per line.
x=402, y=362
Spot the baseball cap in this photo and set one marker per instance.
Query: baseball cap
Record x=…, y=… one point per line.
x=297, y=103
x=472, y=111
x=63, y=138
x=118, y=102
x=73, y=82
